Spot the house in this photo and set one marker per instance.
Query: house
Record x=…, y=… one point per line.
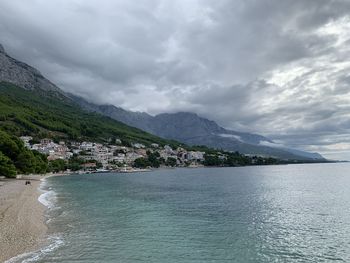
x=198, y=156
x=120, y=158
x=86, y=146
x=169, y=150
x=142, y=152
x=138, y=145
x=132, y=156
x=89, y=166
x=46, y=141
x=76, y=151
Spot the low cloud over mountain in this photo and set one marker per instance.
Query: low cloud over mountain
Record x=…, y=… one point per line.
x=278, y=68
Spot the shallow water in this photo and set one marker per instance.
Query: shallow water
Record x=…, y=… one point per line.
x=292, y=213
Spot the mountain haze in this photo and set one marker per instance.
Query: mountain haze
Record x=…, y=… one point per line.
x=191, y=129
x=32, y=105
x=184, y=127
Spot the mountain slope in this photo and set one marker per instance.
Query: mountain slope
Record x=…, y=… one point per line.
x=32, y=105
x=191, y=129
x=140, y=120
x=39, y=107
x=211, y=134
x=42, y=114
x=23, y=75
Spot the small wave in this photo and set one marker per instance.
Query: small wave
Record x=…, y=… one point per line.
x=48, y=198
x=55, y=242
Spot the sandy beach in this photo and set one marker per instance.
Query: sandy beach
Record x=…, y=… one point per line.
x=22, y=226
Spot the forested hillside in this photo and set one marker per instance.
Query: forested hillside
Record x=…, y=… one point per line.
x=15, y=158
x=50, y=114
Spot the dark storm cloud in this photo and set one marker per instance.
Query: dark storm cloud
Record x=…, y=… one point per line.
x=274, y=67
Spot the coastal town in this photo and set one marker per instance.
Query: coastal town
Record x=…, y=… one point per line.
x=114, y=156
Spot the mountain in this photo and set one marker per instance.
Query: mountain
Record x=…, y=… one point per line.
x=140, y=120
x=32, y=105
x=23, y=75
x=191, y=129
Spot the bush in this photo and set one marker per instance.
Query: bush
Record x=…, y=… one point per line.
x=57, y=165
x=141, y=163
x=171, y=161
x=7, y=168
x=24, y=160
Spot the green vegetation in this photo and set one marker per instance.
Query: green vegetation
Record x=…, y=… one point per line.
x=170, y=162
x=74, y=164
x=51, y=115
x=45, y=114
x=57, y=165
x=235, y=159
x=7, y=167
x=16, y=158
x=153, y=160
x=141, y=163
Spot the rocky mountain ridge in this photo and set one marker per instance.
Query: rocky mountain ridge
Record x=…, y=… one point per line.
x=192, y=129
x=184, y=127
x=22, y=75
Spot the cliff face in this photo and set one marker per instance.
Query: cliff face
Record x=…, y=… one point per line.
x=22, y=75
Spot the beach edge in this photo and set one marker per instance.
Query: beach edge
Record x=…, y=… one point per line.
x=23, y=228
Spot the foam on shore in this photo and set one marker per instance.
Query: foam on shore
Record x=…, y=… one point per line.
x=54, y=241
x=48, y=199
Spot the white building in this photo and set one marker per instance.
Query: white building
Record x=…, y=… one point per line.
x=86, y=146
x=195, y=156
x=138, y=145
x=132, y=156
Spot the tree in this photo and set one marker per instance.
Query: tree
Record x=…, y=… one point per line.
x=57, y=165
x=7, y=168
x=141, y=163
x=75, y=163
x=153, y=158
x=25, y=162
x=41, y=164
x=171, y=161
x=212, y=160
x=8, y=146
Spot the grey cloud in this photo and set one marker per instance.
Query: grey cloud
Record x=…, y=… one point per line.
x=266, y=66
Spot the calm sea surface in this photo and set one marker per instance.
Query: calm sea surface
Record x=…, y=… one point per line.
x=292, y=213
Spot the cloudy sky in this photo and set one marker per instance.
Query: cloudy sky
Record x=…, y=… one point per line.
x=277, y=68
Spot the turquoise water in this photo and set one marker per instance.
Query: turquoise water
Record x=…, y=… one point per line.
x=293, y=213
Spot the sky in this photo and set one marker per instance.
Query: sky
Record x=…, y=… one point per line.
x=272, y=67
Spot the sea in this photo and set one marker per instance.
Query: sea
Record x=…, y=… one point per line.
x=282, y=213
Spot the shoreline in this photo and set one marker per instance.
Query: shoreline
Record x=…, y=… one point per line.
x=22, y=217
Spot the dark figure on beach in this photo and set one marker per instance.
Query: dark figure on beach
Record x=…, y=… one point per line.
x=28, y=182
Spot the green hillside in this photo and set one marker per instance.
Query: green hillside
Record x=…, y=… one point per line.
x=50, y=114
x=15, y=158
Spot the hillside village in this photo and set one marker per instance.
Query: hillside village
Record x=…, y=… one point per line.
x=115, y=156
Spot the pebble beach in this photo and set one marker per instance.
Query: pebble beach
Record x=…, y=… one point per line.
x=22, y=221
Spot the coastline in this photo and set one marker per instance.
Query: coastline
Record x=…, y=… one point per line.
x=22, y=221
